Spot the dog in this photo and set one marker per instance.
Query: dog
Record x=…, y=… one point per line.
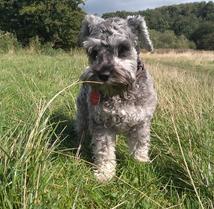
x=117, y=95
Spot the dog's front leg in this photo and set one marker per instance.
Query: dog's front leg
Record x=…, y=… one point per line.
x=103, y=142
x=139, y=141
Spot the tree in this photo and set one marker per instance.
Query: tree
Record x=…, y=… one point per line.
x=203, y=36
x=185, y=26
x=207, y=42
x=53, y=21
x=184, y=20
x=168, y=39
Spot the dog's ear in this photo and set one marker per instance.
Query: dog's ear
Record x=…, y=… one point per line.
x=139, y=28
x=88, y=24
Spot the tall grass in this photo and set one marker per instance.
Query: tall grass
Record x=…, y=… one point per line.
x=39, y=167
x=183, y=127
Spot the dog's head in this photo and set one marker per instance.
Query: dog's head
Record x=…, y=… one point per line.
x=112, y=47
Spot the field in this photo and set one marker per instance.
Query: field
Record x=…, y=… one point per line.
x=41, y=168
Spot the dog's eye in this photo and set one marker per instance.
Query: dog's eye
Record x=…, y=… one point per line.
x=123, y=50
x=94, y=54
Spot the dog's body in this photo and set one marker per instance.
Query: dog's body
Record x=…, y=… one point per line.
x=118, y=96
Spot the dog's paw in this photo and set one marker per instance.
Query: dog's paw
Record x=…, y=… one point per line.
x=105, y=173
x=103, y=177
x=142, y=158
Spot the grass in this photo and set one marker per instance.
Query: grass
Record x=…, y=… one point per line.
x=39, y=167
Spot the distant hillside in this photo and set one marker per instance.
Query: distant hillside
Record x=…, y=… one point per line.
x=193, y=22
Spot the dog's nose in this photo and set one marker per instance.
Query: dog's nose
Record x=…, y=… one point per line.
x=104, y=76
x=105, y=72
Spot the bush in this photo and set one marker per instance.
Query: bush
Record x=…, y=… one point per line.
x=206, y=42
x=203, y=36
x=8, y=42
x=169, y=40
x=35, y=46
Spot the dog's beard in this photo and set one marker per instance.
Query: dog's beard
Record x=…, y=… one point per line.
x=119, y=82
x=110, y=90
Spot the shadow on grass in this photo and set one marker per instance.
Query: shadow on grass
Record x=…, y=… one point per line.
x=66, y=136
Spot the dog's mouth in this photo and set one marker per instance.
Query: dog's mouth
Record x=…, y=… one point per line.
x=108, y=83
x=110, y=90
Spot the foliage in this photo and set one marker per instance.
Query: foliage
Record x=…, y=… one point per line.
x=58, y=22
x=52, y=21
x=183, y=19
x=204, y=36
x=168, y=39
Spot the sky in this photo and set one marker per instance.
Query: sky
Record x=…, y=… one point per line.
x=102, y=6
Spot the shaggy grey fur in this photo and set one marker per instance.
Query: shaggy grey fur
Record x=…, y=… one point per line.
x=125, y=98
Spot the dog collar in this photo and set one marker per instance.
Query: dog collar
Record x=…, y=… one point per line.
x=95, y=97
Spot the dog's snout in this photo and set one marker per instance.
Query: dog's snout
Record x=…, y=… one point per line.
x=105, y=72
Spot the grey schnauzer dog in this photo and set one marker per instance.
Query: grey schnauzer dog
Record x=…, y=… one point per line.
x=118, y=94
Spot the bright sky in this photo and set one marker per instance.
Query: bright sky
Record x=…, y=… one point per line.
x=102, y=6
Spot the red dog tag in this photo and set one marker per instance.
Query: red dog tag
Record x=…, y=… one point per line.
x=94, y=97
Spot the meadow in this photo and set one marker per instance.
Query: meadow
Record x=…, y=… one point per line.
x=40, y=166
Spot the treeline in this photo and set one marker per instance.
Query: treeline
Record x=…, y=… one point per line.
x=190, y=25
x=47, y=21
x=57, y=23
